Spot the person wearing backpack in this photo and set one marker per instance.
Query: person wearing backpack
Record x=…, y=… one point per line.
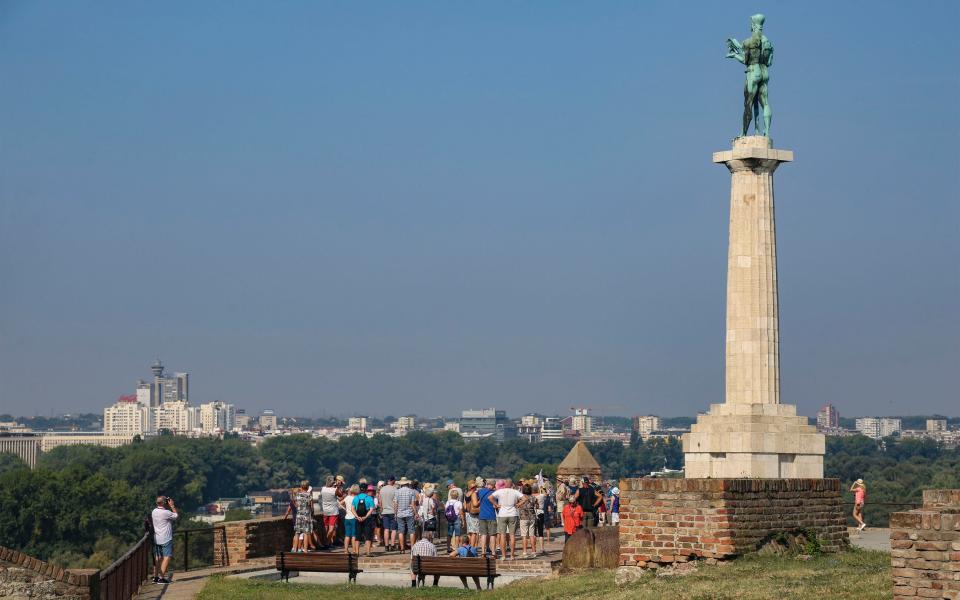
x=466, y=550
x=453, y=511
x=363, y=508
x=157, y=555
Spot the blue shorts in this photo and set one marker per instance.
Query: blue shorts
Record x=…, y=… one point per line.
x=389, y=522
x=349, y=528
x=163, y=550
x=405, y=525
x=453, y=530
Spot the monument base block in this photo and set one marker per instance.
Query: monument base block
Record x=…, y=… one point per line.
x=753, y=440
x=664, y=521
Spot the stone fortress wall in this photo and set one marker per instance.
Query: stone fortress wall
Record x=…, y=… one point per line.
x=22, y=576
x=925, y=548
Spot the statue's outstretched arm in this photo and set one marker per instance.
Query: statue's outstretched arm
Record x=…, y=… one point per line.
x=735, y=50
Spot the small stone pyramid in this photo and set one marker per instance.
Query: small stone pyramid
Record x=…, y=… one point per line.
x=580, y=462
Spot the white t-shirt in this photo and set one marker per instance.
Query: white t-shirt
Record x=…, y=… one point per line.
x=348, y=503
x=328, y=501
x=163, y=525
x=540, y=498
x=427, y=507
x=507, y=498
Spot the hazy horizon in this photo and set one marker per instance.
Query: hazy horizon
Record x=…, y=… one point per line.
x=313, y=207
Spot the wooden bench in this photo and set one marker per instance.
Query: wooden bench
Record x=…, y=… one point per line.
x=456, y=567
x=318, y=563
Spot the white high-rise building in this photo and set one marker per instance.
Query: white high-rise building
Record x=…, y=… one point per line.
x=582, y=421
x=645, y=425
x=176, y=417
x=936, y=424
x=828, y=418
x=217, y=417
x=357, y=423
x=268, y=420
x=127, y=417
x=407, y=423
x=878, y=427
x=145, y=394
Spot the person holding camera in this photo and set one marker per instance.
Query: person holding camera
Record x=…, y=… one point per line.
x=163, y=517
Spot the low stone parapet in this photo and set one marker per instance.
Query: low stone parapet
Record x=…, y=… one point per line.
x=244, y=540
x=22, y=576
x=665, y=521
x=925, y=548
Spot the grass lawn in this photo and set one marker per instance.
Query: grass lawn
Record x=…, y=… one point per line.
x=857, y=574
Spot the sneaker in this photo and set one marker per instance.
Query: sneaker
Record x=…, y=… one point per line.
x=163, y=581
x=156, y=580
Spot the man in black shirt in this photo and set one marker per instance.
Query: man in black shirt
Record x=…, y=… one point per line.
x=588, y=499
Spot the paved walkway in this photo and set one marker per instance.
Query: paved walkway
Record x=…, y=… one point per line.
x=185, y=586
x=870, y=538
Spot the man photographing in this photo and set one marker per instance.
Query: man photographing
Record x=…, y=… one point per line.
x=163, y=517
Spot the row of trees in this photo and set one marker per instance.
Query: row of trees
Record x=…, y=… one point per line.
x=88, y=503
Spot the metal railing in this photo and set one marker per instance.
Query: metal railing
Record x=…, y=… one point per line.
x=194, y=548
x=122, y=579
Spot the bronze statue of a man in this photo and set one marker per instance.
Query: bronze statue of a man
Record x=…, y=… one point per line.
x=756, y=52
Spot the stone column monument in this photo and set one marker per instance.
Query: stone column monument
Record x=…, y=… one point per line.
x=751, y=434
x=754, y=469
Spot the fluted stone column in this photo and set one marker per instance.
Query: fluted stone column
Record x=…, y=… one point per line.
x=752, y=434
x=753, y=324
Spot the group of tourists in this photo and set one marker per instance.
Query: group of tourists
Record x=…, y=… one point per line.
x=485, y=517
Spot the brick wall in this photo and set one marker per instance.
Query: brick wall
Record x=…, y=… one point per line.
x=665, y=521
x=925, y=548
x=22, y=576
x=251, y=539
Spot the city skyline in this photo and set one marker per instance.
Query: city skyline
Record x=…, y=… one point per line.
x=440, y=208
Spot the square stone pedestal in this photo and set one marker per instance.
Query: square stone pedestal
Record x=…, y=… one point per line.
x=663, y=521
x=753, y=440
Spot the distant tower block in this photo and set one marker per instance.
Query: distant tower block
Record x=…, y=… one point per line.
x=157, y=368
x=751, y=434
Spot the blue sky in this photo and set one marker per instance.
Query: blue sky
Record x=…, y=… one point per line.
x=336, y=208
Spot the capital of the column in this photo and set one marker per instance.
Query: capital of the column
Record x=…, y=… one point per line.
x=753, y=153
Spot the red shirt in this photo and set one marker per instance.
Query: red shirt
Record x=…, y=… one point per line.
x=572, y=517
